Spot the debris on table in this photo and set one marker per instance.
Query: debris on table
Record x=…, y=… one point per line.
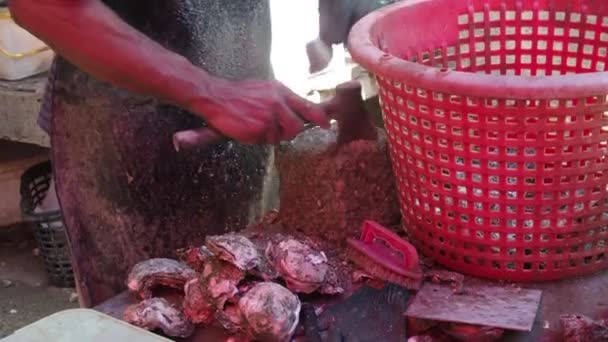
x=310, y=324
x=432, y=336
x=507, y=308
x=434, y=331
x=361, y=276
x=456, y=280
x=579, y=328
x=158, y=313
x=160, y=272
x=73, y=298
x=472, y=333
x=419, y=327
x=384, y=255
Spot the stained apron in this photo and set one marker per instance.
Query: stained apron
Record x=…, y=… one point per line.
x=126, y=195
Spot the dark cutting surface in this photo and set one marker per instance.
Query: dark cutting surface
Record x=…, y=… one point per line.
x=585, y=296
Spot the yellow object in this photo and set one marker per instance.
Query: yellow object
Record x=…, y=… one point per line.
x=21, y=54
x=80, y=325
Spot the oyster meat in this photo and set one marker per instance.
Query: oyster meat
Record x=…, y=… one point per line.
x=219, y=282
x=196, y=306
x=194, y=257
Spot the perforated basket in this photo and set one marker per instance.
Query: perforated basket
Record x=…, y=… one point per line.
x=48, y=226
x=497, y=115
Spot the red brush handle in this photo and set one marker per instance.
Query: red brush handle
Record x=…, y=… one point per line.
x=372, y=232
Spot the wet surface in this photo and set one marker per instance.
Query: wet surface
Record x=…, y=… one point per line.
x=368, y=315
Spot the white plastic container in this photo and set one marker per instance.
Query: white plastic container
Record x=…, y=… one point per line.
x=21, y=54
x=81, y=325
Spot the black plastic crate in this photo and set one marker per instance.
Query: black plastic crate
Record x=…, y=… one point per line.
x=48, y=226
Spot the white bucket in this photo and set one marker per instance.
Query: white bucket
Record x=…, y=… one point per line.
x=21, y=54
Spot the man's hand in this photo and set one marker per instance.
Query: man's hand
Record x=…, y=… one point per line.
x=258, y=112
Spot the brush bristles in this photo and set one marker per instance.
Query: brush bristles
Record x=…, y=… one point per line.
x=380, y=271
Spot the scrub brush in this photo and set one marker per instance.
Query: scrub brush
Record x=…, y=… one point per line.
x=385, y=256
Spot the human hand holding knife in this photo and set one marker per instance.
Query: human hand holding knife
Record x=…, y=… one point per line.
x=346, y=102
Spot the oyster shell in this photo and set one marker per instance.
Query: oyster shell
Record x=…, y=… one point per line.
x=303, y=267
x=235, y=249
x=270, y=311
x=158, y=313
x=151, y=273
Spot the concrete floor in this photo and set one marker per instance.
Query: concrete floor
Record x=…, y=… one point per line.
x=29, y=297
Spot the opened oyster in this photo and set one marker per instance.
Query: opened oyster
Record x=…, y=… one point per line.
x=235, y=249
x=152, y=273
x=303, y=267
x=219, y=282
x=194, y=257
x=196, y=306
x=270, y=312
x=158, y=313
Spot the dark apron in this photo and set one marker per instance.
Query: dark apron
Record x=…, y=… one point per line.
x=126, y=194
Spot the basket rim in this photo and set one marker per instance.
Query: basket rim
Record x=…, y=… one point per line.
x=366, y=53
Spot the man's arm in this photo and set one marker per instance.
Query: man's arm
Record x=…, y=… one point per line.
x=91, y=36
x=336, y=18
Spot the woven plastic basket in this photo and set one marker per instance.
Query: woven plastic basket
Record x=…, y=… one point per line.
x=497, y=116
x=48, y=226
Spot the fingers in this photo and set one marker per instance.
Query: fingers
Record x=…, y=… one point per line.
x=288, y=122
x=266, y=112
x=273, y=128
x=308, y=111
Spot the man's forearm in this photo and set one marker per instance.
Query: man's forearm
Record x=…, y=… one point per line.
x=91, y=36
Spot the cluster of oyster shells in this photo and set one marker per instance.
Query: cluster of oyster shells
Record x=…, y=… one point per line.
x=231, y=282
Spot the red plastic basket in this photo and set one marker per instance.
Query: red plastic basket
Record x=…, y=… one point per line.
x=497, y=114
